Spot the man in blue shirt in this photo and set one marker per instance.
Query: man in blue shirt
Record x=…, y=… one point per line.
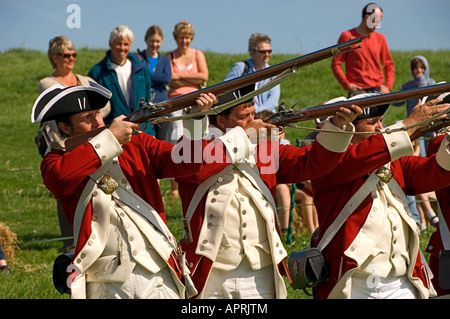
x=259, y=48
x=124, y=75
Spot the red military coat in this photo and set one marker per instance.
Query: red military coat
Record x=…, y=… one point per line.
x=414, y=174
x=294, y=165
x=435, y=244
x=143, y=160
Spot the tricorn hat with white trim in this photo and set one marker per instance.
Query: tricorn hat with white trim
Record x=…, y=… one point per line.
x=236, y=94
x=444, y=96
x=60, y=102
x=373, y=111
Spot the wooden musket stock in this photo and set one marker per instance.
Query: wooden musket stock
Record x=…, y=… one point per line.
x=154, y=110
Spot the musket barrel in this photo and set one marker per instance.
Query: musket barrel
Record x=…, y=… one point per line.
x=183, y=101
x=326, y=110
x=186, y=100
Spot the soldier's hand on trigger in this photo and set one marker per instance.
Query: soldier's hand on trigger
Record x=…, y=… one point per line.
x=123, y=130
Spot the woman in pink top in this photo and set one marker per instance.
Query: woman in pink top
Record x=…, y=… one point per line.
x=189, y=68
x=189, y=73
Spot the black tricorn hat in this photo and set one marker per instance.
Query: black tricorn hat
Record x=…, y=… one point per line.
x=444, y=96
x=60, y=102
x=373, y=111
x=236, y=94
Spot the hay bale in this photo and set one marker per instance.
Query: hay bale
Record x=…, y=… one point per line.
x=299, y=226
x=8, y=240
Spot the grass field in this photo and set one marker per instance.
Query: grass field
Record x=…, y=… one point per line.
x=28, y=208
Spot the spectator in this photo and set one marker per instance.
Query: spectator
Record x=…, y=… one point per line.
x=374, y=252
x=189, y=74
x=260, y=50
x=124, y=75
x=62, y=55
x=3, y=264
x=109, y=191
x=363, y=70
x=160, y=72
x=420, y=70
x=302, y=194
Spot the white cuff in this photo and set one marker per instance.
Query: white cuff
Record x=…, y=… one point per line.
x=106, y=146
x=335, y=142
x=398, y=143
x=196, y=129
x=443, y=154
x=238, y=144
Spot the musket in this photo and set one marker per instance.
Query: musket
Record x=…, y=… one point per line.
x=437, y=126
x=434, y=126
x=286, y=117
x=149, y=110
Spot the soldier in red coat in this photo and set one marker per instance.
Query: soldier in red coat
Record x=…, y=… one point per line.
x=236, y=251
x=367, y=235
x=435, y=245
x=109, y=192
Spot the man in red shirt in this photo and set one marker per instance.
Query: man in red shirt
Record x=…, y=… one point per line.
x=363, y=70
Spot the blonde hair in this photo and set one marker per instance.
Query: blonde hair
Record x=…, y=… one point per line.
x=154, y=29
x=56, y=46
x=183, y=29
x=256, y=38
x=121, y=31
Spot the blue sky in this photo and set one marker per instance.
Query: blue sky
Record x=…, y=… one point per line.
x=295, y=26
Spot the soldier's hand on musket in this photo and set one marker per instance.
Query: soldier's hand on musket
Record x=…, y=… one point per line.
x=425, y=111
x=346, y=115
x=204, y=102
x=258, y=130
x=123, y=130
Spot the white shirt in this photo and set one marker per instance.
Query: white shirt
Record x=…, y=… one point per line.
x=124, y=76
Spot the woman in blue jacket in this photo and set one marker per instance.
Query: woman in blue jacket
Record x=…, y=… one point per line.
x=160, y=71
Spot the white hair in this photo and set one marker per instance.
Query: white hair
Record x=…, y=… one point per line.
x=121, y=31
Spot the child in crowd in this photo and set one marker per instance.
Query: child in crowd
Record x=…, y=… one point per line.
x=421, y=77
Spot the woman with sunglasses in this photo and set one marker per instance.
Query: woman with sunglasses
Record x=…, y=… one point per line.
x=260, y=50
x=62, y=55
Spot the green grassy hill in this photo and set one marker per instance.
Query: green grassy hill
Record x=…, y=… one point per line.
x=28, y=208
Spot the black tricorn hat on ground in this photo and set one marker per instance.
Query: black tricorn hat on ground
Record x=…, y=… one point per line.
x=60, y=102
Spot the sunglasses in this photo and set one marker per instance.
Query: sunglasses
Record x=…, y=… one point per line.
x=68, y=55
x=264, y=51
